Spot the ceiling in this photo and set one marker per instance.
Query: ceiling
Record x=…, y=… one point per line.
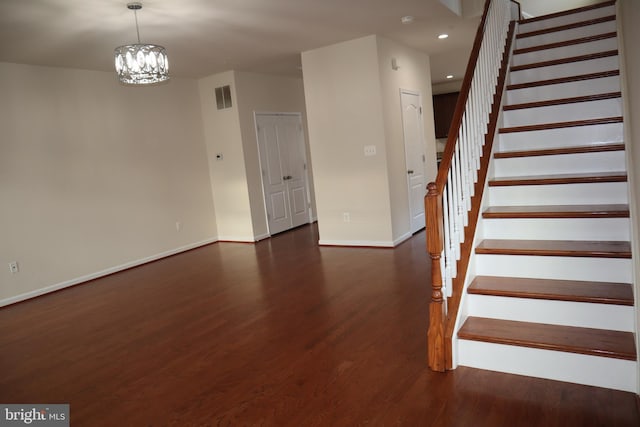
x=204, y=37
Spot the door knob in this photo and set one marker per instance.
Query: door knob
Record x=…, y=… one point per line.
x=409, y=171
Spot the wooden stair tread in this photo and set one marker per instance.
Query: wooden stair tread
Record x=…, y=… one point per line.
x=568, y=248
x=589, y=341
x=566, y=27
x=558, y=290
x=593, y=148
x=584, y=178
x=558, y=211
x=572, y=42
x=567, y=12
x=564, y=101
x=561, y=80
x=568, y=60
x=558, y=125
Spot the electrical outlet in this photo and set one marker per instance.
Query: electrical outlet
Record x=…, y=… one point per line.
x=346, y=217
x=13, y=267
x=178, y=226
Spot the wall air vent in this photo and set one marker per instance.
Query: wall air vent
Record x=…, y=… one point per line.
x=223, y=97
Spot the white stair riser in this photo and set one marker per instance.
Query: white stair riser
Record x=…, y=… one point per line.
x=555, y=365
x=567, y=19
x=615, y=270
x=563, y=113
x=558, y=164
x=576, y=136
x=565, y=51
x=557, y=228
x=564, y=90
x=559, y=194
x=564, y=70
x=561, y=36
x=567, y=313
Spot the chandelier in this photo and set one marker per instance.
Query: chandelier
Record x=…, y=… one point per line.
x=141, y=64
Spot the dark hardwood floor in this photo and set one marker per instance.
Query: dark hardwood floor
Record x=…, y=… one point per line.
x=280, y=333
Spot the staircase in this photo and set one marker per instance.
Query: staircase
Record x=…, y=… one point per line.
x=550, y=293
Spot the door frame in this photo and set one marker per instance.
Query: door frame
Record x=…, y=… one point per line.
x=303, y=144
x=404, y=143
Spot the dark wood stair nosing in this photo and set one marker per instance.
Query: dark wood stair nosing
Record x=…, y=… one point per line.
x=568, y=339
x=555, y=248
x=560, y=125
x=562, y=80
x=567, y=12
x=553, y=290
x=563, y=101
x=592, y=178
x=557, y=212
x=572, y=42
x=568, y=60
x=583, y=149
x=566, y=27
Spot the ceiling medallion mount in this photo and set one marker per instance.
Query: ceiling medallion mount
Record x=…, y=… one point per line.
x=141, y=63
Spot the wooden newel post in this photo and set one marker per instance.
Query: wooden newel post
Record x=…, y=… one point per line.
x=435, y=334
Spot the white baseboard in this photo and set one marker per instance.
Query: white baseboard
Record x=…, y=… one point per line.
x=364, y=243
x=102, y=273
x=402, y=238
x=261, y=237
x=239, y=239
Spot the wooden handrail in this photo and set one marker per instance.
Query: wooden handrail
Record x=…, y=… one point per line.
x=456, y=120
x=442, y=313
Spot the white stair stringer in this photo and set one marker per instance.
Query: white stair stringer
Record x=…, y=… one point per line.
x=495, y=305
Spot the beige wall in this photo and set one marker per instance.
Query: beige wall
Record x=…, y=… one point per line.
x=345, y=114
x=228, y=176
x=94, y=175
x=353, y=100
x=413, y=74
x=629, y=11
x=271, y=94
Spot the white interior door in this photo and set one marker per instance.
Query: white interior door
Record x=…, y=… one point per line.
x=415, y=156
x=283, y=163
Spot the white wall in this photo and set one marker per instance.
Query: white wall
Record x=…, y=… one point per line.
x=228, y=176
x=94, y=175
x=345, y=114
x=413, y=74
x=271, y=94
x=629, y=14
x=544, y=7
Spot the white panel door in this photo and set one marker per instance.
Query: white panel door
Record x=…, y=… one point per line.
x=273, y=174
x=283, y=163
x=293, y=151
x=415, y=156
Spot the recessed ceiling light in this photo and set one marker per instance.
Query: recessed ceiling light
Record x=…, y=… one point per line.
x=407, y=19
x=449, y=76
x=443, y=36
